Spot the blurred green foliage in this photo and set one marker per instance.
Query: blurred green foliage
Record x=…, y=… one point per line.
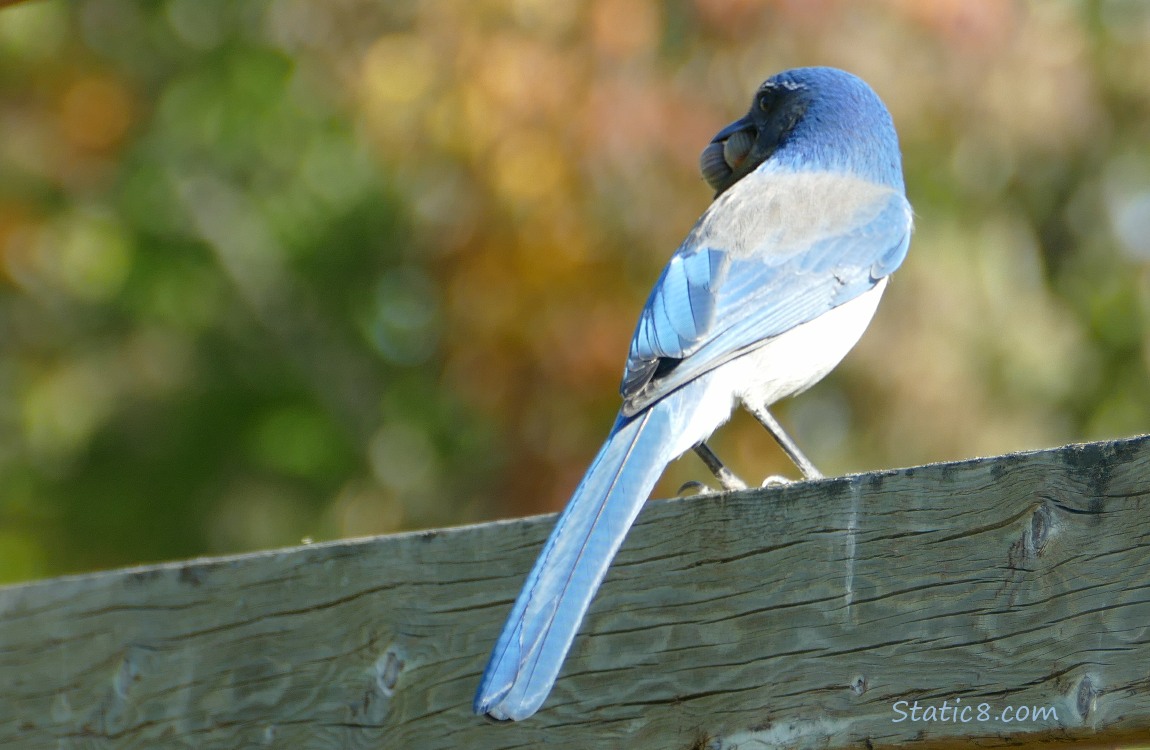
x=278, y=269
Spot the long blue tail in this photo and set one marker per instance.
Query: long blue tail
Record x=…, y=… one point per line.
x=542, y=625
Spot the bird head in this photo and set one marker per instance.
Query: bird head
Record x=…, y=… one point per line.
x=807, y=119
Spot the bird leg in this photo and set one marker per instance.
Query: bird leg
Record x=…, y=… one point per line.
x=784, y=440
x=725, y=476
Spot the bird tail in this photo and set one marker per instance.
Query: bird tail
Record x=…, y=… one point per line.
x=558, y=591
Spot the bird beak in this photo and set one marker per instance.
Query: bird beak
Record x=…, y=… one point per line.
x=724, y=160
x=743, y=123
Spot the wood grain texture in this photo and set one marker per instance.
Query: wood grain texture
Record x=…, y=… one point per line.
x=789, y=617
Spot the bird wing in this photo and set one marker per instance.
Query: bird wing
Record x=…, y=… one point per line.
x=775, y=251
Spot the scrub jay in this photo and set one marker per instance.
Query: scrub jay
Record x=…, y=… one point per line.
x=772, y=287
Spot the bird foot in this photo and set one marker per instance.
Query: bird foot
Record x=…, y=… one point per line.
x=695, y=488
x=776, y=481
x=729, y=481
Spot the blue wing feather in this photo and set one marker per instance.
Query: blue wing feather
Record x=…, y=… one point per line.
x=716, y=300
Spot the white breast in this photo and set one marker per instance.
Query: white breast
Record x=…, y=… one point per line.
x=787, y=364
x=794, y=361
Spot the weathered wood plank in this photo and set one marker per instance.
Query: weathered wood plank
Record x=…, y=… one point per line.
x=795, y=616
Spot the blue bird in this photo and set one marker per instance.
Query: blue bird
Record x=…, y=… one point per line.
x=772, y=287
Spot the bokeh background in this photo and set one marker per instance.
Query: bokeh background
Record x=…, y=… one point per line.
x=279, y=270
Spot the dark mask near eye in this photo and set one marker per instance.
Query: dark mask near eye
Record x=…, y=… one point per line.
x=739, y=148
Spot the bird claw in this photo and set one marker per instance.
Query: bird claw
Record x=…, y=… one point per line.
x=776, y=481
x=694, y=488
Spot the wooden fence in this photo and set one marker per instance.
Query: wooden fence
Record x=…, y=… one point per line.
x=1008, y=599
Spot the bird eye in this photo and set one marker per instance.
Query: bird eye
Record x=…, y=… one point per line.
x=764, y=102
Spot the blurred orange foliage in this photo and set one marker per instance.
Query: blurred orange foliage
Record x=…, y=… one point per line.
x=281, y=269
